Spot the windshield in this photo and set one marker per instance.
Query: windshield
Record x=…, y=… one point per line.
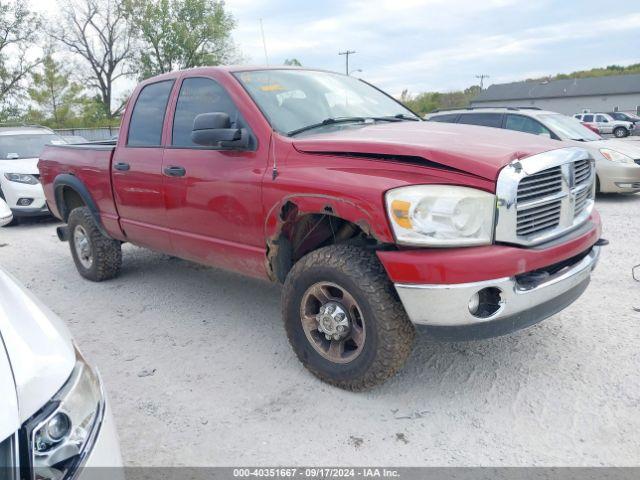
x=568, y=128
x=29, y=145
x=295, y=99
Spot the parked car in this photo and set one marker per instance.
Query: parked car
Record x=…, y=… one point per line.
x=626, y=117
x=56, y=420
x=373, y=219
x=617, y=161
x=20, y=147
x=607, y=124
x=6, y=217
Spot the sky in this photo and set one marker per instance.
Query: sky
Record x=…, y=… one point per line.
x=437, y=45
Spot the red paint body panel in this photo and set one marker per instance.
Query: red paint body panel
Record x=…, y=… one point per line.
x=226, y=209
x=463, y=265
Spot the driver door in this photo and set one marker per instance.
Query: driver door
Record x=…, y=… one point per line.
x=213, y=196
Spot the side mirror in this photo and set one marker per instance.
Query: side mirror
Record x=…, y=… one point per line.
x=214, y=130
x=5, y=214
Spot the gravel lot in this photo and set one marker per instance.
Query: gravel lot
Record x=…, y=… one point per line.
x=199, y=371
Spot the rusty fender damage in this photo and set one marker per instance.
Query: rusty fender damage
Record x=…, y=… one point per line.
x=302, y=223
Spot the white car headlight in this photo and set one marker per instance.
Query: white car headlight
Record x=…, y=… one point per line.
x=616, y=156
x=21, y=178
x=63, y=433
x=441, y=215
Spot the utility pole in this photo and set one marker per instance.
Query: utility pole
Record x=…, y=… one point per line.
x=482, y=77
x=346, y=53
x=264, y=43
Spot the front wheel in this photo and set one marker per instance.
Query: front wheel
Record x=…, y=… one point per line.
x=96, y=256
x=620, y=132
x=343, y=318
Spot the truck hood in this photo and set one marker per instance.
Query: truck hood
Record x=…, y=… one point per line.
x=36, y=354
x=20, y=165
x=481, y=151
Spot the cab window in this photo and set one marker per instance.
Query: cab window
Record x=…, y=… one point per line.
x=200, y=95
x=524, y=124
x=145, y=126
x=587, y=118
x=448, y=118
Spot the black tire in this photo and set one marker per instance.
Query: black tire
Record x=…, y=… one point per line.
x=388, y=336
x=106, y=253
x=620, y=132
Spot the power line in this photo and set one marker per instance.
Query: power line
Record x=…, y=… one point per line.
x=482, y=77
x=346, y=53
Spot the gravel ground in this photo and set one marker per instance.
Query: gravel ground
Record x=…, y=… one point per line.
x=199, y=371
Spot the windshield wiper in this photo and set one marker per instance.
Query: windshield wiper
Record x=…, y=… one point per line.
x=402, y=116
x=334, y=121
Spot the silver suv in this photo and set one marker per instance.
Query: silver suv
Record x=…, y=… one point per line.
x=617, y=161
x=607, y=124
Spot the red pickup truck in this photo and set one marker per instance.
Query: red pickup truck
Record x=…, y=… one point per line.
x=373, y=220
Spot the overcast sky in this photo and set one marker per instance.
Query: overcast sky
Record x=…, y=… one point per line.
x=438, y=44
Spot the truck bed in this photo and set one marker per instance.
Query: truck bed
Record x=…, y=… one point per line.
x=90, y=163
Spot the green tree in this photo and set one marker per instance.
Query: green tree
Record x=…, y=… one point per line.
x=179, y=34
x=17, y=33
x=292, y=62
x=58, y=99
x=97, y=32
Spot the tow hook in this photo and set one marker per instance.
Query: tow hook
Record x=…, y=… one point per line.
x=63, y=233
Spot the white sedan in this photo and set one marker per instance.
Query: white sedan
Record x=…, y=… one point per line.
x=55, y=419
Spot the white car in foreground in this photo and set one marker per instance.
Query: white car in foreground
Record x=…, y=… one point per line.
x=20, y=187
x=55, y=421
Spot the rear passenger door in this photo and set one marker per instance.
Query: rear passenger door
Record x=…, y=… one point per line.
x=482, y=119
x=137, y=169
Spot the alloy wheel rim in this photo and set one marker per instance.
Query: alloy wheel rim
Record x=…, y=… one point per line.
x=333, y=322
x=83, y=246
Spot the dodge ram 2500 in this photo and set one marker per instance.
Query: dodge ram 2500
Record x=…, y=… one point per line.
x=373, y=220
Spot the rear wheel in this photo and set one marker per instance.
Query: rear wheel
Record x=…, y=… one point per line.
x=620, y=132
x=96, y=256
x=343, y=318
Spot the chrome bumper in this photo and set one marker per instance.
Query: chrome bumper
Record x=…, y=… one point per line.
x=520, y=306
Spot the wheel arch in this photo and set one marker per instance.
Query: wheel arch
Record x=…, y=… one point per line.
x=69, y=193
x=301, y=224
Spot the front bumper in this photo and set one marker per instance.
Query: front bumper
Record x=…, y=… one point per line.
x=104, y=460
x=618, y=177
x=445, y=307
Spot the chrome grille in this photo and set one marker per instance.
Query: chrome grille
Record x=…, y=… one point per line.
x=544, y=196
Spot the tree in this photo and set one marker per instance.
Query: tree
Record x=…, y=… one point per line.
x=57, y=97
x=97, y=32
x=179, y=34
x=292, y=62
x=17, y=32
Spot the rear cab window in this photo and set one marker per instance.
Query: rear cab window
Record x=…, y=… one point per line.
x=147, y=118
x=482, y=119
x=587, y=118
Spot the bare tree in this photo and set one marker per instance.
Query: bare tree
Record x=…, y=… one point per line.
x=17, y=33
x=98, y=32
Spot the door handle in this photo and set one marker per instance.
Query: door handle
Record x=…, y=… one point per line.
x=122, y=166
x=175, y=171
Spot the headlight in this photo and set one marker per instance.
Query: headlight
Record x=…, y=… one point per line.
x=62, y=434
x=21, y=178
x=615, y=156
x=441, y=215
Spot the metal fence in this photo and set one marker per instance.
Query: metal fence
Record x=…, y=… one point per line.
x=90, y=134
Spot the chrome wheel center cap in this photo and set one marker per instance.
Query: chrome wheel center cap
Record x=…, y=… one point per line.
x=333, y=321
